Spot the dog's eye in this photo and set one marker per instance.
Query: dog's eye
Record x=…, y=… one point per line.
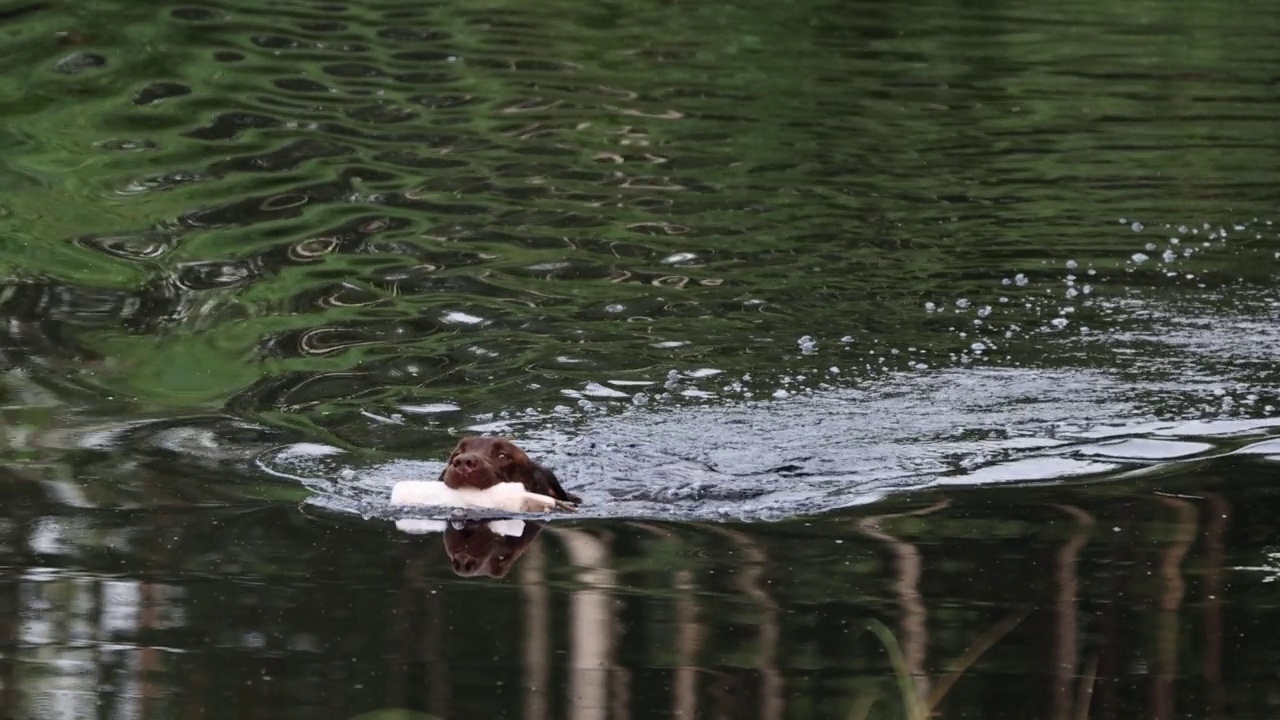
x=503, y=456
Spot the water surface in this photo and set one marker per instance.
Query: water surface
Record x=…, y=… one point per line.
x=956, y=318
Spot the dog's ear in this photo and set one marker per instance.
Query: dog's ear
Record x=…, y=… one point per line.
x=548, y=484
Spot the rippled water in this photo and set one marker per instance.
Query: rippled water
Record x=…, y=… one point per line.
x=806, y=265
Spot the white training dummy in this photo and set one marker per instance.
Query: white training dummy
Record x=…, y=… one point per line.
x=504, y=496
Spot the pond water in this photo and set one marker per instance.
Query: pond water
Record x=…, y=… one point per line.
x=907, y=357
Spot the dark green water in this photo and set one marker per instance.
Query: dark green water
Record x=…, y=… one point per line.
x=953, y=322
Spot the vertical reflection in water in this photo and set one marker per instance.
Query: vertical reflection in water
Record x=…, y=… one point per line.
x=1214, y=532
x=688, y=636
x=1067, y=655
x=591, y=621
x=422, y=644
x=537, y=625
x=620, y=688
x=908, y=563
x=149, y=662
x=11, y=531
x=772, y=701
x=688, y=639
x=1111, y=635
x=402, y=630
x=437, y=665
x=1173, y=590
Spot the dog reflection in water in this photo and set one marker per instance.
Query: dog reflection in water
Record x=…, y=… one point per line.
x=479, y=548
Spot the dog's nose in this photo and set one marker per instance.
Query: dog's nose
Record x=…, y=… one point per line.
x=465, y=461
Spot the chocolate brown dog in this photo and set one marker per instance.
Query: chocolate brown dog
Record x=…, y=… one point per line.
x=482, y=462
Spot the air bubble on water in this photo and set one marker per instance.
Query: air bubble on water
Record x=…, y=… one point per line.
x=921, y=366
x=962, y=303
x=1174, y=241
x=1092, y=272
x=1182, y=230
x=1169, y=256
x=1139, y=258
x=615, y=307
x=562, y=409
x=847, y=339
x=639, y=398
x=703, y=373
x=930, y=307
x=808, y=345
x=1149, y=247
x=1059, y=322
x=595, y=389
x=1123, y=221
x=1072, y=264
x=1006, y=281
x=894, y=351
x=1219, y=392
x=780, y=394
x=984, y=311
x=680, y=257
x=1136, y=226
x=978, y=347
x=1020, y=279
x=833, y=370
x=1072, y=292
x=1004, y=299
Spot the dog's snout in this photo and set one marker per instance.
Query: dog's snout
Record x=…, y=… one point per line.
x=465, y=461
